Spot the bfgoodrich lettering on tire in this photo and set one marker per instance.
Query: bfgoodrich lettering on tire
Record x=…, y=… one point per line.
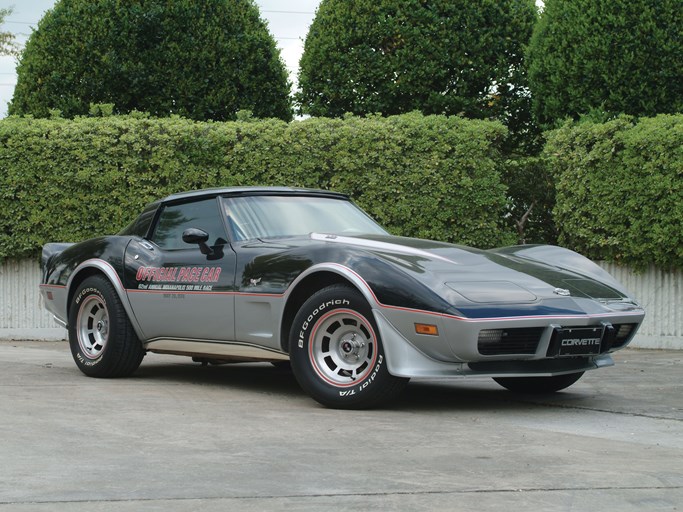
x=336, y=351
x=102, y=340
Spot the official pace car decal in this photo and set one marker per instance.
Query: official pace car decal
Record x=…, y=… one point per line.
x=178, y=278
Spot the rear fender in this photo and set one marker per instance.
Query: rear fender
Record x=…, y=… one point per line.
x=110, y=273
x=50, y=250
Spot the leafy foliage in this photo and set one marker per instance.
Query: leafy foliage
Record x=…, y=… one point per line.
x=392, y=57
x=451, y=57
x=67, y=180
x=599, y=58
x=202, y=60
x=531, y=193
x=8, y=44
x=429, y=177
x=620, y=189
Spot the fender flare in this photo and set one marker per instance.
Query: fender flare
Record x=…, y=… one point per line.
x=403, y=359
x=110, y=273
x=354, y=278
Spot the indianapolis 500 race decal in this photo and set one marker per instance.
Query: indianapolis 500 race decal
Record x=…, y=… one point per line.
x=177, y=278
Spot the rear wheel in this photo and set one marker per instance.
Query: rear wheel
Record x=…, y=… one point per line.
x=336, y=352
x=538, y=385
x=102, y=340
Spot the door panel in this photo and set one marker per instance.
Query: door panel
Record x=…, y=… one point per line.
x=176, y=289
x=181, y=294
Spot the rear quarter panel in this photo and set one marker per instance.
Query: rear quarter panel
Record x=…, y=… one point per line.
x=62, y=272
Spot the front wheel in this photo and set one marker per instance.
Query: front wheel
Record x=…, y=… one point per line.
x=336, y=351
x=102, y=340
x=538, y=385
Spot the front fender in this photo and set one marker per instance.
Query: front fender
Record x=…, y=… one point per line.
x=341, y=270
x=565, y=259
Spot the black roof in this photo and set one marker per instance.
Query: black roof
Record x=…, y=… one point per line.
x=251, y=191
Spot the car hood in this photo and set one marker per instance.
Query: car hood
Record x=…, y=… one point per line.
x=464, y=275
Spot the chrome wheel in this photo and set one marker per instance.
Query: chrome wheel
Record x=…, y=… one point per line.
x=92, y=326
x=343, y=348
x=101, y=338
x=336, y=351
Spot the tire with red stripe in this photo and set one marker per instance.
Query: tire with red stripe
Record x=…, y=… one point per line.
x=336, y=351
x=102, y=340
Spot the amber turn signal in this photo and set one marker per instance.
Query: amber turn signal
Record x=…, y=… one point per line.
x=429, y=330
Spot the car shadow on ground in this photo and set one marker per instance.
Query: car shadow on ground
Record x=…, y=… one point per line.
x=257, y=378
x=478, y=395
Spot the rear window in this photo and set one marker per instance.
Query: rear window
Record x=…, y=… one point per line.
x=140, y=226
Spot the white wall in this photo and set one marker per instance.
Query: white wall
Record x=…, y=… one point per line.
x=22, y=317
x=661, y=294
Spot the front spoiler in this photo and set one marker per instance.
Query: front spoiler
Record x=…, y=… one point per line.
x=404, y=360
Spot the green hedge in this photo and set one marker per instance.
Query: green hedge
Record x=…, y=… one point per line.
x=66, y=180
x=531, y=192
x=619, y=189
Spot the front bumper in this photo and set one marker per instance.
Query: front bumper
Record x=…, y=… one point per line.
x=457, y=351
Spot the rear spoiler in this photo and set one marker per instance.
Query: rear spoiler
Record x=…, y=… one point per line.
x=50, y=250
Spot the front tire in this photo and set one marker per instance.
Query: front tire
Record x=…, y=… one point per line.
x=336, y=351
x=538, y=385
x=102, y=340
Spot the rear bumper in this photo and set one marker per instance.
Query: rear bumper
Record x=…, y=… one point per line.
x=54, y=299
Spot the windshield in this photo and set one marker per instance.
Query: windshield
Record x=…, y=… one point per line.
x=253, y=217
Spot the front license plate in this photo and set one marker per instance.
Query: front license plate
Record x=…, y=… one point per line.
x=579, y=341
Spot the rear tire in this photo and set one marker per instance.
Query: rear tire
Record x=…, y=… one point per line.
x=538, y=385
x=336, y=351
x=102, y=340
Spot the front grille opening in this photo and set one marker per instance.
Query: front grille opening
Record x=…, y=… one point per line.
x=624, y=334
x=494, y=342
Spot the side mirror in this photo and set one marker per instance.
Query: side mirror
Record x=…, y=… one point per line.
x=195, y=236
x=199, y=237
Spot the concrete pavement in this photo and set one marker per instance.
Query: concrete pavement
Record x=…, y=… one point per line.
x=178, y=436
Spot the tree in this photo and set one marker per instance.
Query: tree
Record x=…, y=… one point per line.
x=604, y=57
x=395, y=56
x=454, y=57
x=203, y=60
x=7, y=40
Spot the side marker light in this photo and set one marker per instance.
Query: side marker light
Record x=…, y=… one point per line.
x=427, y=329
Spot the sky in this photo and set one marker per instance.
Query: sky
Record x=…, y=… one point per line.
x=288, y=23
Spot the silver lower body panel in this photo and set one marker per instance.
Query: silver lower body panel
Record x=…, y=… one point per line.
x=225, y=351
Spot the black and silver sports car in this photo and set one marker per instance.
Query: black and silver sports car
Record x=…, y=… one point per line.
x=279, y=274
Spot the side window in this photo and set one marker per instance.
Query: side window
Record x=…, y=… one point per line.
x=175, y=219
